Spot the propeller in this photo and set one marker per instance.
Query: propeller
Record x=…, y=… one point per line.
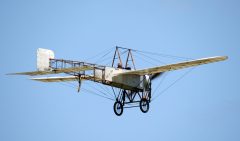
x=156, y=75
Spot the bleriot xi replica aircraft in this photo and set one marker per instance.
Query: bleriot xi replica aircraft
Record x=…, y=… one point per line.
x=134, y=85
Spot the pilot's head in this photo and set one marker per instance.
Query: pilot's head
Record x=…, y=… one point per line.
x=119, y=65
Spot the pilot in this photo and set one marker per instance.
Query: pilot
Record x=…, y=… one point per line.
x=119, y=66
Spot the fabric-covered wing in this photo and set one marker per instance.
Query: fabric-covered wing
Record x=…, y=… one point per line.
x=176, y=66
x=55, y=71
x=56, y=79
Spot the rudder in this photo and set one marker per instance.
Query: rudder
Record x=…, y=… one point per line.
x=43, y=59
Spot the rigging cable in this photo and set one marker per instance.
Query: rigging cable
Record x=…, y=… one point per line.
x=89, y=91
x=164, y=90
x=143, y=53
x=102, y=57
x=107, y=50
x=160, y=83
x=163, y=55
x=154, y=59
x=94, y=88
x=106, y=93
x=138, y=53
x=138, y=56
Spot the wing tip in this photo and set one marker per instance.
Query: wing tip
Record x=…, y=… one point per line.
x=226, y=57
x=12, y=74
x=223, y=58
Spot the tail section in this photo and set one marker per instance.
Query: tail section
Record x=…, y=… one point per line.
x=43, y=56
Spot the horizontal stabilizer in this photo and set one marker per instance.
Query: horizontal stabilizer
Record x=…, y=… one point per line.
x=55, y=71
x=56, y=79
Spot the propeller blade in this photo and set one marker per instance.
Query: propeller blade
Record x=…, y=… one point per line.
x=156, y=75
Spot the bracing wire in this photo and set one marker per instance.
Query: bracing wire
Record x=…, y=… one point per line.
x=154, y=59
x=163, y=55
x=110, y=58
x=106, y=95
x=84, y=89
x=145, y=56
x=91, y=92
x=102, y=57
x=114, y=92
x=99, y=91
x=97, y=55
x=104, y=88
x=107, y=58
x=108, y=63
x=160, y=83
x=164, y=90
x=143, y=59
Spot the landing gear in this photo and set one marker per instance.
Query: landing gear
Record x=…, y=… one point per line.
x=144, y=105
x=130, y=99
x=118, y=108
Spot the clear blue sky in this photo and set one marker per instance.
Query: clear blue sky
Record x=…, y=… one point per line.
x=205, y=105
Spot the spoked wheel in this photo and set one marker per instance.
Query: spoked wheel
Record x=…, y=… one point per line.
x=144, y=105
x=118, y=108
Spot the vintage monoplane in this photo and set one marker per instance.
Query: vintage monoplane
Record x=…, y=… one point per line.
x=134, y=85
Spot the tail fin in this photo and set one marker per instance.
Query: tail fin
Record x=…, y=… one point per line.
x=43, y=56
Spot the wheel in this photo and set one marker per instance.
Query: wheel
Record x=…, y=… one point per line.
x=144, y=105
x=118, y=108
